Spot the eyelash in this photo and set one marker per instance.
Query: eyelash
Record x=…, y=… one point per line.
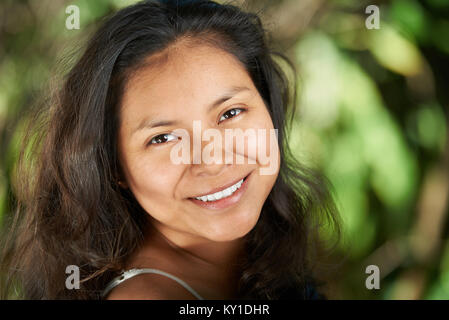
x=240, y=111
x=166, y=134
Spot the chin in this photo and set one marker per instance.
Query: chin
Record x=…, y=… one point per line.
x=230, y=231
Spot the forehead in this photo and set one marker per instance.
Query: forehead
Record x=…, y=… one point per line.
x=182, y=76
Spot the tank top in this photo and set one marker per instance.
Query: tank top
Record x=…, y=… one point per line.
x=134, y=272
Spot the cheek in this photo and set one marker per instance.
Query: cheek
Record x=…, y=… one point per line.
x=262, y=146
x=152, y=180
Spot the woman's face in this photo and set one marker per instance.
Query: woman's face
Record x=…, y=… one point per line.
x=171, y=95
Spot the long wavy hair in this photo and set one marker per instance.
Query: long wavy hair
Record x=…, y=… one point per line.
x=69, y=207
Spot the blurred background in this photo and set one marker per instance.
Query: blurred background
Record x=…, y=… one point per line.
x=372, y=115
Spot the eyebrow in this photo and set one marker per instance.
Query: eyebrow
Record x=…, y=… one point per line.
x=230, y=93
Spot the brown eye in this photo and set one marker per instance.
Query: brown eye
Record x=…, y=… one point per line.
x=162, y=138
x=231, y=113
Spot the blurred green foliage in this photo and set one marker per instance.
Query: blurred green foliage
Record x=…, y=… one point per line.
x=372, y=115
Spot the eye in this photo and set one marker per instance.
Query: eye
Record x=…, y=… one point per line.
x=162, y=138
x=231, y=113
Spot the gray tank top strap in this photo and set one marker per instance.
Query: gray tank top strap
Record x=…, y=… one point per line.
x=133, y=272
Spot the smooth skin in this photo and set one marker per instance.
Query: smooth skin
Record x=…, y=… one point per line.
x=196, y=244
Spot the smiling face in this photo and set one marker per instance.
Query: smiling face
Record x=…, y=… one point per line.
x=171, y=95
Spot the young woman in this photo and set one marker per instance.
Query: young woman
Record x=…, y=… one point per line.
x=106, y=195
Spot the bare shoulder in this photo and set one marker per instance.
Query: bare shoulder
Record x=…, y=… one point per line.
x=149, y=287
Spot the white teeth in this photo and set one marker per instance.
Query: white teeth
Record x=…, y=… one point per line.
x=227, y=192
x=221, y=194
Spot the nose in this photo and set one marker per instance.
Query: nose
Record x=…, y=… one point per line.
x=208, y=158
x=203, y=169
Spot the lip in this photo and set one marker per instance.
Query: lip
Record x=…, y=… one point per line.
x=224, y=203
x=220, y=188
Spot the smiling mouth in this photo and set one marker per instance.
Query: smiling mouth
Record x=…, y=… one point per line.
x=222, y=194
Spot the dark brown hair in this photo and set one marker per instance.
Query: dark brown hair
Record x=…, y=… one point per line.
x=70, y=210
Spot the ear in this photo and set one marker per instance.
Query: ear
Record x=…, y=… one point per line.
x=122, y=184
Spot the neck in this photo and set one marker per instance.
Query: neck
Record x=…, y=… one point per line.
x=211, y=262
x=219, y=255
